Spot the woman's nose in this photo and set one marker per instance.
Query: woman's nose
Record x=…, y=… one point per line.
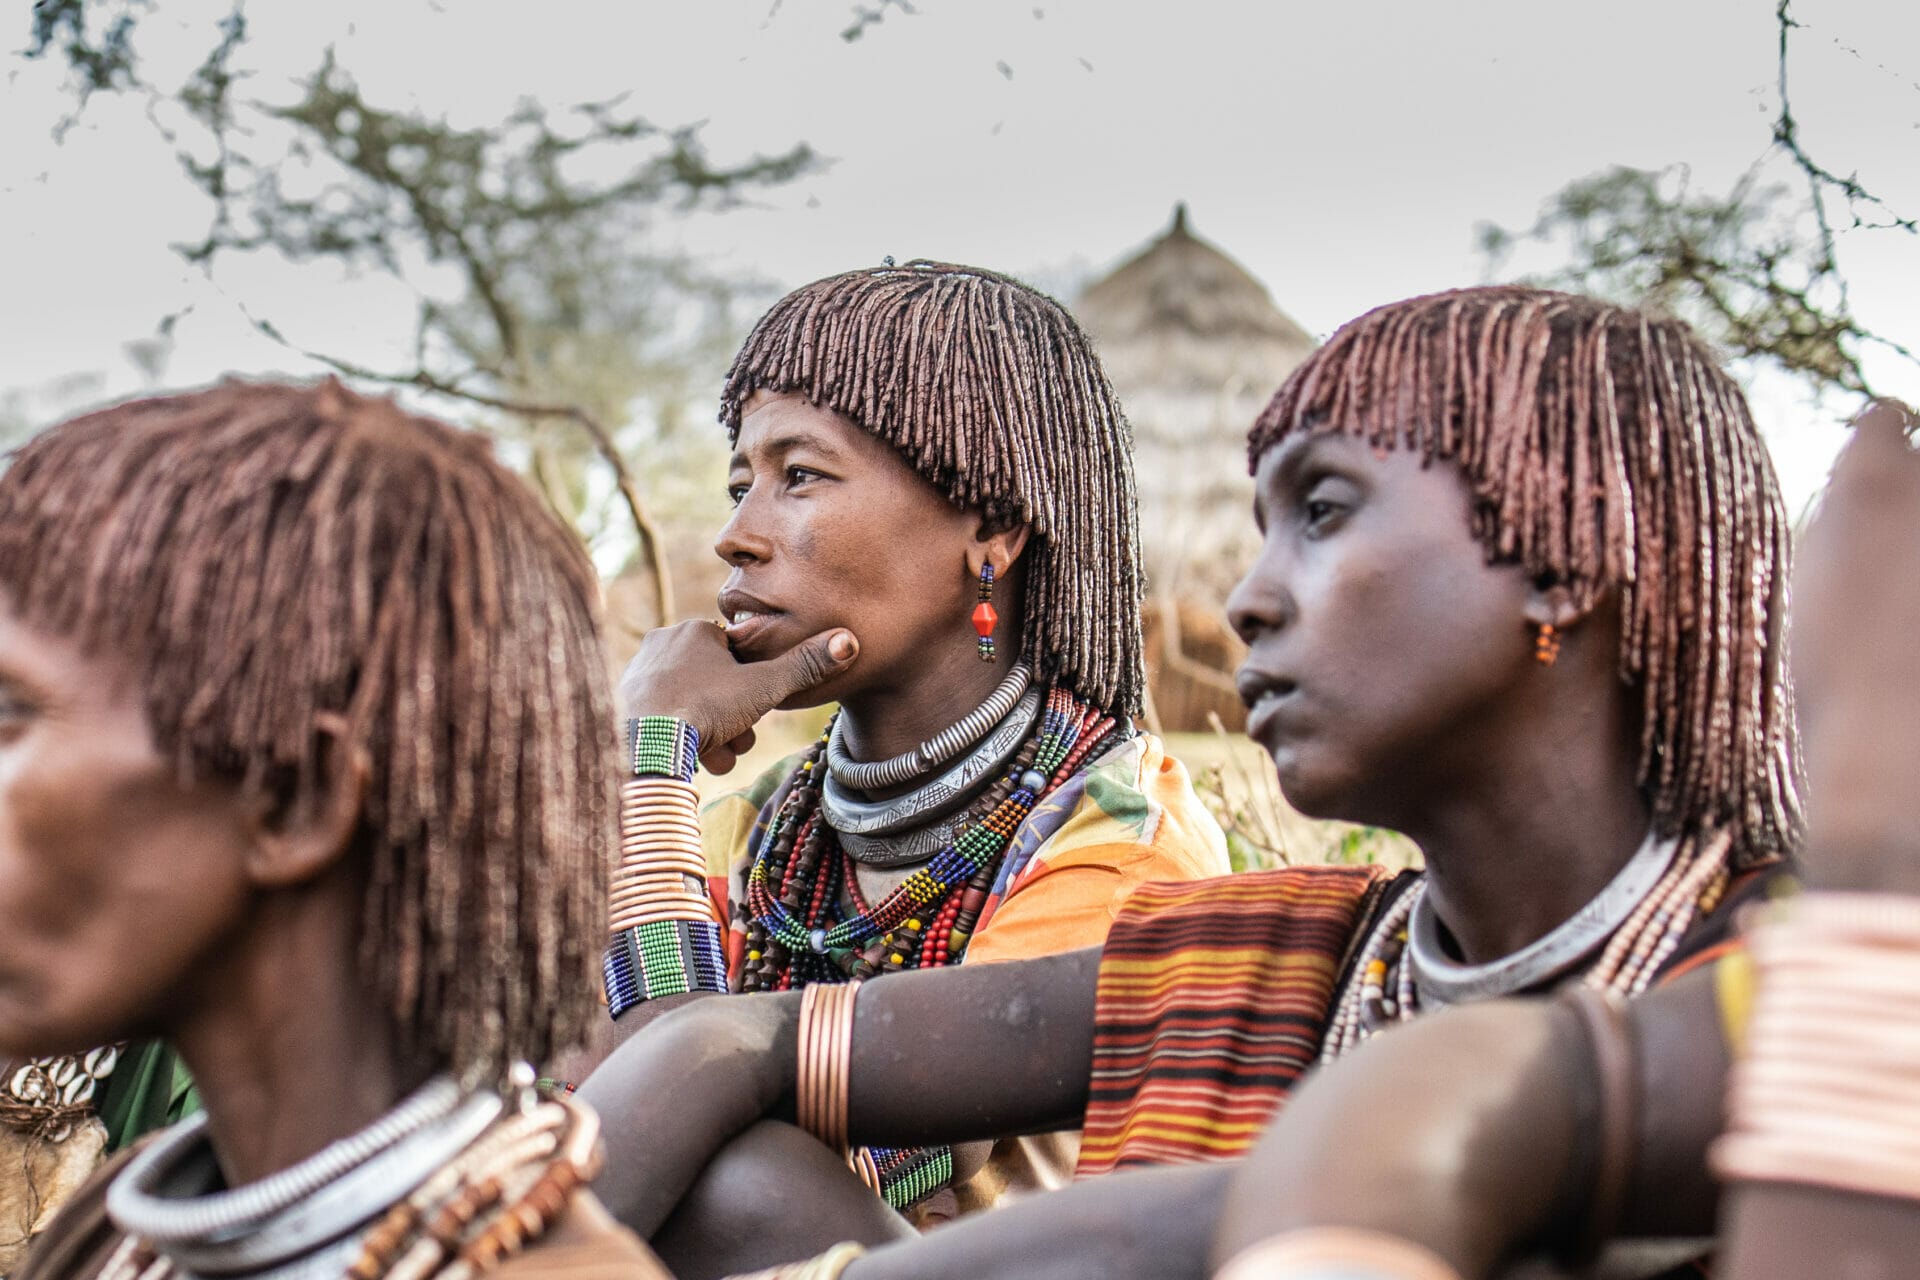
x=743, y=539
x=1260, y=601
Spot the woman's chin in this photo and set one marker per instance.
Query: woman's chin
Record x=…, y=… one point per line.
x=1310, y=792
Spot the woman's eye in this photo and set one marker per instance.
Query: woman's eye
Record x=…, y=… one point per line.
x=1323, y=505
x=800, y=475
x=736, y=493
x=15, y=709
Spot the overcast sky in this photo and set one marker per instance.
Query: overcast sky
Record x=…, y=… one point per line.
x=1343, y=152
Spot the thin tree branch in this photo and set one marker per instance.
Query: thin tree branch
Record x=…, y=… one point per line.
x=652, y=546
x=1173, y=651
x=1786, y=132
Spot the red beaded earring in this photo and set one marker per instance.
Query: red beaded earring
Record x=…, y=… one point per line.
x=984, y=616
x=1546, y=645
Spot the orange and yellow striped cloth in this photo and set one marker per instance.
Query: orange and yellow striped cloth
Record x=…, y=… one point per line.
x=1185, y=1066
x=1214, y=996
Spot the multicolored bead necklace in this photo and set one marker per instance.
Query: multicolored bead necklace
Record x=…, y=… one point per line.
x=810, y=923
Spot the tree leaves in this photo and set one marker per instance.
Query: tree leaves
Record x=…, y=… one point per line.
x=1741, y=267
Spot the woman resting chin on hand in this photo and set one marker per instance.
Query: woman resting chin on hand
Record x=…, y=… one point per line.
x=934, y=528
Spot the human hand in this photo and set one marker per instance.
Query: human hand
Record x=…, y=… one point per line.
x=1856, y=660
x=687, y=671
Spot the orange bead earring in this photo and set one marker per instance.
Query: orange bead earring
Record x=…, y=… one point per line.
x=984, y=615
x=1546, y=645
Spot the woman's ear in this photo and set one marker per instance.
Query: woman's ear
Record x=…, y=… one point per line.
x=1553, y=602
x=1001, y=546
x=300, y=844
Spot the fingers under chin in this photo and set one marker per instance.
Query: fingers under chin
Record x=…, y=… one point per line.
x=807, y=699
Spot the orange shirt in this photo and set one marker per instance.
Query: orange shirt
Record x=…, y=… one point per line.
x=1137, y=819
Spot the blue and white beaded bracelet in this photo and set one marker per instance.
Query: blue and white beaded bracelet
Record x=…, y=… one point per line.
x=671, y=953
x=663, y=958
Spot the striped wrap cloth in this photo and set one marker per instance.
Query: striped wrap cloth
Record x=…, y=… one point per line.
x=1185, y=1066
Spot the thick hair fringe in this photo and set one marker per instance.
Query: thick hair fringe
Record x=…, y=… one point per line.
x=267, y=557
x=1607, y=451
x=993, y=394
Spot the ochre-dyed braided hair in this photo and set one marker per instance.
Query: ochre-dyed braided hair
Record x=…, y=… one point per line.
x=992, y=393
x=1609, y=452
x=268, y=556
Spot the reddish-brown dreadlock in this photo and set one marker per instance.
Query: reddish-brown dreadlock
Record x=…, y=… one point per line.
x=994, y=395
x=268, y=556
x=1608, y=452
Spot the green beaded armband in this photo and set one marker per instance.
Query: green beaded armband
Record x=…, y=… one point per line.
x=909, y=1175
x=663, y=747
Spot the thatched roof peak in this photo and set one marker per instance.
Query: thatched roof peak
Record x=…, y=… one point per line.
x=1182, y=312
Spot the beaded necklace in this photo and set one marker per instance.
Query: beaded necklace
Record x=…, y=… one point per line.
x=1384, y=988
x=810, y=922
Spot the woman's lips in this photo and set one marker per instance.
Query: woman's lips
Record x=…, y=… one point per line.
x=1268, y=708
x=747, y=627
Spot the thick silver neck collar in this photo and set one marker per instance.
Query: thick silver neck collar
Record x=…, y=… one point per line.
x=879, y=775
x=303, y=1223
x=893, y=820
x=1440, y=979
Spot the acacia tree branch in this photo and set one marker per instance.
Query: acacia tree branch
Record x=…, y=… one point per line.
x=1786, y=132
x=652, y=546
x=865, y=16
x=1757, y=285
x=481, y=277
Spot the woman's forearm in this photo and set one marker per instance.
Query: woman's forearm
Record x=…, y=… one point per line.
x=952, y=1055
x=1153, y=1224
x=936, y=1057
x=1458, y=1133
x=672, y=1098
x=1435, y=1133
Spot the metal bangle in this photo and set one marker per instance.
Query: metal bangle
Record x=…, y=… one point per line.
x=1608, y=1035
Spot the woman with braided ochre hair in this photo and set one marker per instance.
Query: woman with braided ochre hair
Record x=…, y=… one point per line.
x=934, y=527
x=304, y=768
x=1549, y=1124
x=1520, y=596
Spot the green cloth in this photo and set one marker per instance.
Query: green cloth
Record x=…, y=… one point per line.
x=149, y=1089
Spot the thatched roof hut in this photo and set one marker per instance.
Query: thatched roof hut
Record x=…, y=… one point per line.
x=1195, y=346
